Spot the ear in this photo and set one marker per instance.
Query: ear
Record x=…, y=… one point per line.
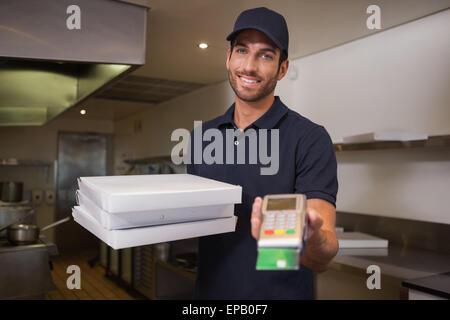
x=283, y=69
x=228, y=58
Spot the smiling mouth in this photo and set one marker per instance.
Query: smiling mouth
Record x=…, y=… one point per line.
x=249, y=81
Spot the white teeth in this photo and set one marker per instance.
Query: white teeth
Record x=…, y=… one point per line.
x=248, y=81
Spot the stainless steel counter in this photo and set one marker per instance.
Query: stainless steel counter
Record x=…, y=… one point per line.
x=26, y=270
x=417, y=249
x=399, y=262
x=437, y=285
x=347, y=278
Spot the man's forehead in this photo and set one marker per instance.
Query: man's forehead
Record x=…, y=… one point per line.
x=252, y=36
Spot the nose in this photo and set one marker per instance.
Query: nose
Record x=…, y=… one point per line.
x=249, y=65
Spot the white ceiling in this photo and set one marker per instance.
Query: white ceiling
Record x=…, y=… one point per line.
x=175, y=27
x=106, y=109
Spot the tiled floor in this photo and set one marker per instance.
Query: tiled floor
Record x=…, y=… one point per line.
x=94, y=284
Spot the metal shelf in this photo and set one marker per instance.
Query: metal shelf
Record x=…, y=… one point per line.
x=46, y=165
x=431, y=142
x=27, y=163
x=149, y=160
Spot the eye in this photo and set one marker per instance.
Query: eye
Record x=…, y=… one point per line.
x=267, y=56
x=240, y=50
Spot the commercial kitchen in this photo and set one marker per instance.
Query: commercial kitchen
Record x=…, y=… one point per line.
x=99, y=88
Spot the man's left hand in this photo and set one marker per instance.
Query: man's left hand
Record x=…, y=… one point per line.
x=322, y=244
x=315, y=221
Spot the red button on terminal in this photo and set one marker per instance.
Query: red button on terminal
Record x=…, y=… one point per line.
x=268, y=231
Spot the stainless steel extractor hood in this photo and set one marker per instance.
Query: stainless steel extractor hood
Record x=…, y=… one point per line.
x=54, y=54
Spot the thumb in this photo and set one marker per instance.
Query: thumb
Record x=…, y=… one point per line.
x=256, y=217
x=315, y=221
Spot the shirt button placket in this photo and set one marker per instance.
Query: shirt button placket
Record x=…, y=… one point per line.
x=240, y=133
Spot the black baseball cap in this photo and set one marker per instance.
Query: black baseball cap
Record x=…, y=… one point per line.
x=269, y=22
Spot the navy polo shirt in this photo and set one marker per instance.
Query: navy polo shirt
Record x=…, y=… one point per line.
x=307, y=164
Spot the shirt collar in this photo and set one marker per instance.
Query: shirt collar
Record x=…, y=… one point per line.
x=267, y=121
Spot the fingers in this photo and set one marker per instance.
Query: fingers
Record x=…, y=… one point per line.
x=256, y=217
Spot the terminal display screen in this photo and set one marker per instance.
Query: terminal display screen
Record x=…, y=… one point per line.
x=282, y=204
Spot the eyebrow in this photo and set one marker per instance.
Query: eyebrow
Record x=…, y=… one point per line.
x=240, y=44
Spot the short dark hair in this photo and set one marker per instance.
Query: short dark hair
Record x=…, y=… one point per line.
x=283, y=54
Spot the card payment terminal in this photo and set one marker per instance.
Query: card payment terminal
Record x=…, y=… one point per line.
x=282, y=237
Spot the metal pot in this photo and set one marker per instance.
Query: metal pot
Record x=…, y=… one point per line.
x=21, y=234
x=17, y=219
x=12, y=191
x=11, y=213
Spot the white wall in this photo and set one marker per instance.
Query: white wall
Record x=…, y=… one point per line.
x=393, y=80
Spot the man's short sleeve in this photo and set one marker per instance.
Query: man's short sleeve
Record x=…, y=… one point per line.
x=316, y=166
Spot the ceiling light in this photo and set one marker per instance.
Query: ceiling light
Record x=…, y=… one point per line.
x=203, y=45
x=82, y=111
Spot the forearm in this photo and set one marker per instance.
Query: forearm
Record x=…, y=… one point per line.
x=321, y=248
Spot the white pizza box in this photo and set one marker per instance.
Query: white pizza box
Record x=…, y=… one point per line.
x=360, y=240
x=122, y=220
x=153, y=192
x=384, y=136
x=127, y=238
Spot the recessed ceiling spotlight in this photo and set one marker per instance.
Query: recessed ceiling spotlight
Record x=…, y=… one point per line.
x=203, y=45
x=82, y=111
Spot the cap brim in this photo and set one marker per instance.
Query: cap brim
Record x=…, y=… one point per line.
x=233, y=34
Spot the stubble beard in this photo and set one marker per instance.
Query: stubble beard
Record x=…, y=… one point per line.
x=260, y=94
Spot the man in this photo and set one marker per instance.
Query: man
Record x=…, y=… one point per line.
x=256, y=60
